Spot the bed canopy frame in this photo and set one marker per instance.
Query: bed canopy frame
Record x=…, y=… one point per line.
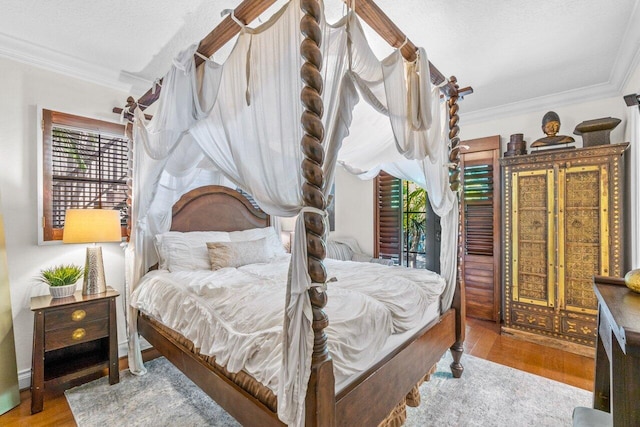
x=321, y=402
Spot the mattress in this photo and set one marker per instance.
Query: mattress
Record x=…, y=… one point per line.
x=235, y=315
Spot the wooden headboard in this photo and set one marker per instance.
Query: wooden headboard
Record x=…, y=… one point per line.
x=216, y=208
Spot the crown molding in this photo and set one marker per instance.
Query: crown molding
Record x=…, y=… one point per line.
x=41, y=57
x=574, y=96
x=628, y=58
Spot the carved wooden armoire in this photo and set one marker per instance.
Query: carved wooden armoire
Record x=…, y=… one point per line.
x=562, y=216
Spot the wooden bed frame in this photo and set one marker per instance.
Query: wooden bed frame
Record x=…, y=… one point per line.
x=376, y=392
x=367, y=401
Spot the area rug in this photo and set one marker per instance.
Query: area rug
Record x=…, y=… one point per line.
x=487, y=395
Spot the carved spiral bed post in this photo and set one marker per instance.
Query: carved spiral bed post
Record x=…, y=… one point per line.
x=454, y=181
x=320, y=399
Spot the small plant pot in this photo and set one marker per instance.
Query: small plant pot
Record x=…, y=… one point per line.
x=62, y=291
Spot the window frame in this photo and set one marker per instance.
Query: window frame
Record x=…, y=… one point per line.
x=46, y=120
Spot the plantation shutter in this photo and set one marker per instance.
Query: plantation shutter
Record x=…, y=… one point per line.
x=481, y=227
x=388, y=217
x=478, y=197
x=85, y=167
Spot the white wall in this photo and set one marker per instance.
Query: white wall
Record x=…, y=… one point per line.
x=354, y=209
x=529, y=124
x=23, y=88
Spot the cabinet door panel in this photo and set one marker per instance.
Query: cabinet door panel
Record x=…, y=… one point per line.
x=583, y=248
x=533, y=237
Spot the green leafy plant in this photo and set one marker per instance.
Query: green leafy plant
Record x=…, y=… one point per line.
x=61, y=275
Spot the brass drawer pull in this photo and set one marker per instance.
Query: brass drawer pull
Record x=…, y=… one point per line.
x=78, y=315
x=78, y=334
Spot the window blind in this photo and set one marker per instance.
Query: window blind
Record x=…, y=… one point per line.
x=88, y=172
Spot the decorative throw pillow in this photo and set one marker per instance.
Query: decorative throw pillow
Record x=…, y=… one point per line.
x=179, y=251
x=275, y=247
x=340, y=251
x=237, y=254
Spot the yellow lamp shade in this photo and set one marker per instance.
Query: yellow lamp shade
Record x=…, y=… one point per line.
x=91, y=226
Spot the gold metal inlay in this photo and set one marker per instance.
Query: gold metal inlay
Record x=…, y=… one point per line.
x=551, y=240
x=514, y=233
x=78, y=315
x=78, y=334
x=604, y=221
x=561, y=243
x=531, y=233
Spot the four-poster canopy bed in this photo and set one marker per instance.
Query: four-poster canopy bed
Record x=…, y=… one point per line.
x=375, y=393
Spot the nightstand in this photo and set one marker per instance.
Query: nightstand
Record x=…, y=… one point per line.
x=72, y=337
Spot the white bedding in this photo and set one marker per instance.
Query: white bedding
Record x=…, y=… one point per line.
x=237, y=314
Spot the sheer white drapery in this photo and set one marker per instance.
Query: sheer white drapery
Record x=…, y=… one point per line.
x=241, y=121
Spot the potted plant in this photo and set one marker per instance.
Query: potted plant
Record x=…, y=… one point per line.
x=61, y=279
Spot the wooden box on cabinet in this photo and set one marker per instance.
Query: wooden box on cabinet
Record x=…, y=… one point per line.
x=562, y=216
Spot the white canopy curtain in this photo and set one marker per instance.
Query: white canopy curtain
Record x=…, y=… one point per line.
x=633, y=136
x=241, y=120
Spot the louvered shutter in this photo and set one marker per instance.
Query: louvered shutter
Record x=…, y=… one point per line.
x=481, y=232
x=388, y=217
x=478, y=197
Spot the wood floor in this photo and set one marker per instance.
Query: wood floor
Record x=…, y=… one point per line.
x=483, y=340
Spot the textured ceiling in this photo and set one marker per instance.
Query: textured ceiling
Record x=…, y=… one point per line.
x=508, y=50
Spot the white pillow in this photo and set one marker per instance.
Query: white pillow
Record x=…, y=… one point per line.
x=179, y=251
x=274, y=247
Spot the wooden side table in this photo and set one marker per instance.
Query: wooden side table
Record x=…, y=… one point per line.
x=72, y=337
x=617, y=379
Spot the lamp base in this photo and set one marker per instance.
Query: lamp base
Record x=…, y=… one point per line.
x=94, y=282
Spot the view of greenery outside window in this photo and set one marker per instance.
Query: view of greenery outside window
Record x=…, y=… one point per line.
x=407, y=231
x=414, y=225
x=85, y=167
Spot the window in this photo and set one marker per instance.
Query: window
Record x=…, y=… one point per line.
x=407, y=230
x=84, y=167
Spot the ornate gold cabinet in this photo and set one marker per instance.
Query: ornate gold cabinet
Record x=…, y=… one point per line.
x=562, y=213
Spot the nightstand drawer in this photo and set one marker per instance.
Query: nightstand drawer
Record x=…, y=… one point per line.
x=76, y=315
x=87, y=331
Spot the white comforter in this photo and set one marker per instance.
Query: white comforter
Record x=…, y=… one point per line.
x=236, y=315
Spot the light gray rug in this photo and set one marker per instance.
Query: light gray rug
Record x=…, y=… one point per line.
x=487, y=395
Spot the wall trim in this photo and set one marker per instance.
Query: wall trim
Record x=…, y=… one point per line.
x=38, y=56
x=574, y=96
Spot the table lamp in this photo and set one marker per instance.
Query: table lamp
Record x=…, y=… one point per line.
x=92, y=226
